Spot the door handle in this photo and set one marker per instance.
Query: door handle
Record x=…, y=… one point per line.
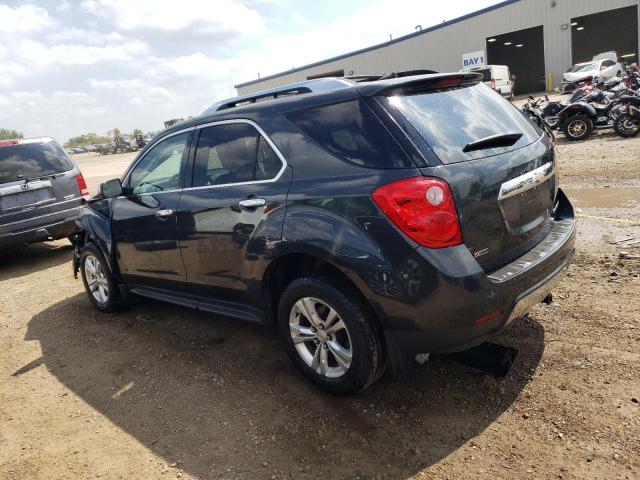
x=252, y=202
x=164, y=213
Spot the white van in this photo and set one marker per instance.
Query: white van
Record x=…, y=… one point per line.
x=497, y=77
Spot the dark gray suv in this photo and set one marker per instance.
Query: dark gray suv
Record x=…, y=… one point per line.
x=368, y=222
x=41, y=192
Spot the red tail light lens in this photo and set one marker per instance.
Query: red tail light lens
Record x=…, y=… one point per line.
x=82, y=185
x=493, y=83
x=8, y=143
x=423, y=208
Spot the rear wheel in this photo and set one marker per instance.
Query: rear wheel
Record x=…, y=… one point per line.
x=626, y=126
x=328, y=336
x=99, y=284
x=578, y=127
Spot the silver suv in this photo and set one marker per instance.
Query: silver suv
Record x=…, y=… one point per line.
x=41, y=192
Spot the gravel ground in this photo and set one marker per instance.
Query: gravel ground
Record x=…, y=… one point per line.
x=163, y=392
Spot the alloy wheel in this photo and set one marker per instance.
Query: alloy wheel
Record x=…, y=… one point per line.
x=577, y=128
x=96, y=279
x=320, y=337
x=630, y=126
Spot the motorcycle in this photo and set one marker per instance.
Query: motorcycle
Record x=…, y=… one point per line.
x=595, y=111
x=531, y=109
x=627, y=125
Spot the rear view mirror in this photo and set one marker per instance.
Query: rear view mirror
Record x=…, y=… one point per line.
x=111, y=188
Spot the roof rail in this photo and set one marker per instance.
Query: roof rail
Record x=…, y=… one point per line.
x=308, y=86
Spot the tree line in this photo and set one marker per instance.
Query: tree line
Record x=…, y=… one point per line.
x=6, y=134
x=80, y=140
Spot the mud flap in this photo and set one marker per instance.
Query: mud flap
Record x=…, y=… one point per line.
x=77, y=250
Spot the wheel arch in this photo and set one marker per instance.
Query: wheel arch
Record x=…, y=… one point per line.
x=296, y=264
x=95, y=228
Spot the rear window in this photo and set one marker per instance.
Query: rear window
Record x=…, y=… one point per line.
x=352, y=131
x=21, y=162
x=449, y=120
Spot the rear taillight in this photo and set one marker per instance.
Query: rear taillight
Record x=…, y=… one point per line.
x=82, y=185
x=493, y=83
x=8, y=143
x=423, y=208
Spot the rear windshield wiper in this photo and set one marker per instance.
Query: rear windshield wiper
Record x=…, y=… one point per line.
x=494, y=141
x=38, y=177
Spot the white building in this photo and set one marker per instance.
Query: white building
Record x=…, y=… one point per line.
x=537, y=39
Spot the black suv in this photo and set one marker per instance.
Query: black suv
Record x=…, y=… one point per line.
x=41, y=192
x=368, y=221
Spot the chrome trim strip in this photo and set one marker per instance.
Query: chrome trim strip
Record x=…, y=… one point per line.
x=51, y=214
x=25, y=187
x=212, y=124
x=526, y=182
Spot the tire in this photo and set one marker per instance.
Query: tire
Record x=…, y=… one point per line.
x=341, y=361
x=626, y=127
x=106, y=296
x=578, y=127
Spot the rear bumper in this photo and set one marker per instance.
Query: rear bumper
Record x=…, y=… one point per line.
x=466, y=306
x=40, y=229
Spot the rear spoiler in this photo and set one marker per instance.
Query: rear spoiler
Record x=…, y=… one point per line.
x=408, y=85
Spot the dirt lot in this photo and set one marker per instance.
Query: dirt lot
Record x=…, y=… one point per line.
x=162, y=392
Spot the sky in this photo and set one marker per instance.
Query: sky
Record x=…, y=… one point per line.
x=73, y=67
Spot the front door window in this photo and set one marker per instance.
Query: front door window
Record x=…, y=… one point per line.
x=161, y=168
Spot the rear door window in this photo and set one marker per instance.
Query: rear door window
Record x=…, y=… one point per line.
x=450, y=119
x=233, y=153
x=32, y=160
x=352, y=131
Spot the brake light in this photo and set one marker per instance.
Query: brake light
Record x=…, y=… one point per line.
x=449, y=81
x=423, y=208
x=493, y=83
x=82, y=185
x=8, y=143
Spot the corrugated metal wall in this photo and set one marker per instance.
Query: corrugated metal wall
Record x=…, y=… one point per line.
x=442, y=49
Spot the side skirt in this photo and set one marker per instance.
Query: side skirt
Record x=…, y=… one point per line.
x=234, y=310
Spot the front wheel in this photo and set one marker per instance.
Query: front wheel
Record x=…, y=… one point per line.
x=578, y=127
x=98, y=282
x=329, y=336
x=626, y=126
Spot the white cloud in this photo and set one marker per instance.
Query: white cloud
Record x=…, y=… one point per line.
x=27, y=18
x=201, y=18
x=89, y=37
x=364, y=27
x=135, y=63
x=71, y=54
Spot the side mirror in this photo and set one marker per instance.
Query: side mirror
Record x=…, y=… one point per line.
x=111, y=188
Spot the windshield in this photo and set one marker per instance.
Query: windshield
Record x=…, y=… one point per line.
x=584, y=67
x=451, y=120
x=20, y=162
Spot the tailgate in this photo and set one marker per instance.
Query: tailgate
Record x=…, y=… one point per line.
x=21, y=195
x=500, y=167
x=505, y=202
